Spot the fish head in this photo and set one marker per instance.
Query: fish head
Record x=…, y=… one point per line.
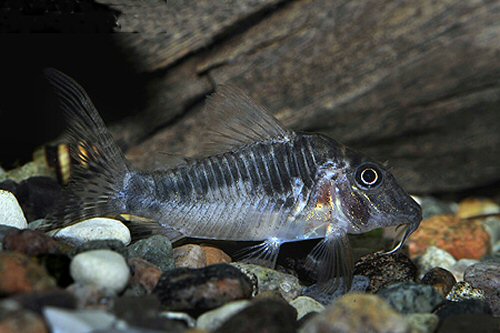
x=367, y=196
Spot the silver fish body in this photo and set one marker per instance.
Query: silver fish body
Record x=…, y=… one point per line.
x=260, y=183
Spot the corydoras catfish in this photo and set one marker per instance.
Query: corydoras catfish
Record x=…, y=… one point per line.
x=261, y=182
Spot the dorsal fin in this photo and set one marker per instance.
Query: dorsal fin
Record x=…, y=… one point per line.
x=234, y=119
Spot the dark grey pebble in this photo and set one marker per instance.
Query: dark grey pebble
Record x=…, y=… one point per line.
x=470, y=306
x=104, y=244
x=265, y=315
x=156, y=249
x=198, y=290
x=385, y=269
x=38, y=300
x=359, y=284
x=469, y=323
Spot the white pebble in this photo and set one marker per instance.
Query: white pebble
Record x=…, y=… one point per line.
x=97, y=228
x=11, y=213
x=435, y=257
x=103, y=268
x=305, y=305
x=211, y=320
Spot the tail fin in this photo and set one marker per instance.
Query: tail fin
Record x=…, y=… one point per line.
x=98, y=165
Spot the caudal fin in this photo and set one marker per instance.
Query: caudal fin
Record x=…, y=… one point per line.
x=98, y=165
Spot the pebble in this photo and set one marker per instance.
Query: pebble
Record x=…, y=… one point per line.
x=38, y=300
x=355, y=313
x=97, y=228
x=156, y=249
x=492, y=226
x=144, y=274
x=385, y=269
x=461, y=238
x=441, y=279
x=186, y=289
x=359, y=284
x=457, y=309
x=270, y=280
x=90, y=296
x=486, y=276
x=33, y=243
x=144, y=312
x=18, y=320
x=103, y=268
x=265, y=315
x=435, y=257
x=11, y=213
x=28, y=170
x=462, y=291
x=21, y=274
x=472, y=207
x=305, y=305
x=409, y=297
x=81, y=321
x=196, y=256
x=37, y=196
x=460, y=266
x=212, y=320
x=422, y=322
x=467, y=323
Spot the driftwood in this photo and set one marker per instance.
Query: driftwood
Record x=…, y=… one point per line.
x=416, y=83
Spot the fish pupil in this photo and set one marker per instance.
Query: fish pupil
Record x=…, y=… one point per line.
x=368, y=176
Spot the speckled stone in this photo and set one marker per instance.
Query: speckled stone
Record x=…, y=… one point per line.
x=359, y=284
x=357, y=313
x=462, y=291
x=384, y=270
x=270, y=280
x=441, y=279
x=156, y=249
x=435, y=257
x=408, y=297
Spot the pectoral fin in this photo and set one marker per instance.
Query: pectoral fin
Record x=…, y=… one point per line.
x=331, y=259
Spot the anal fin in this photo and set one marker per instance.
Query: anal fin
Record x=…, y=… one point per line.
x=141, y=227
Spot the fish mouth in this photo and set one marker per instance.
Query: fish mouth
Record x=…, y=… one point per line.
x=405, y=231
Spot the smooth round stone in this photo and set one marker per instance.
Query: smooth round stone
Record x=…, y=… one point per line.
x=357, y=313
x=305, y=305
x=435, y=257
x=441, y=279
x=102, y=268
x=11, y=213
x=460, y=266
x=97, y=228
x=211, y=320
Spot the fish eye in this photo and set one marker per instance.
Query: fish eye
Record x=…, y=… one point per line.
x=368, y=176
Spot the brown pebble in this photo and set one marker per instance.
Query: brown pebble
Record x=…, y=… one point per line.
x=21, y=321
x=21, y=274
x=33, y=243
x=463, y=239
x=441, y=279
x=196, y=256
x=144, y=273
